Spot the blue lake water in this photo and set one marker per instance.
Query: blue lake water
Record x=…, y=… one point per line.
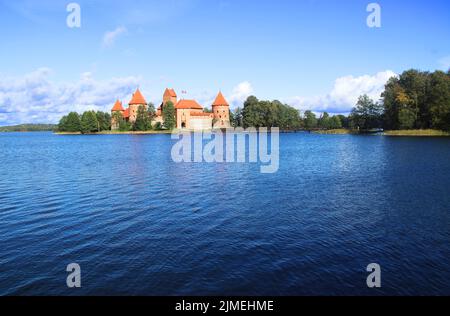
x=140, y=224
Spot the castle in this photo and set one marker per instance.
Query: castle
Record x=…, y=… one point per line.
x=188, y=113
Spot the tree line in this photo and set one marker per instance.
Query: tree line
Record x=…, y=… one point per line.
x=413, y=100
x=28, y=128
x=256, y=113
x=88, y=122
x=417, y=100
x=94, y=122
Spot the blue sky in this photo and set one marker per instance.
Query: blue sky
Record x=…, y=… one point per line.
x=315, y=54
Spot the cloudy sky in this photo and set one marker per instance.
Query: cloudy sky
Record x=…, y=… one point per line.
x=313, y=54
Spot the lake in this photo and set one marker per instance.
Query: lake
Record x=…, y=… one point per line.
x=139, y=224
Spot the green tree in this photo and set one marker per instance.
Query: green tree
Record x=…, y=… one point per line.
x=344, y=120
x=335, y=122
x=390, y=103
x=124, y=126
x=310, y=120
x=238, y=118
x=62, y=125
x=406, y=118
x=367, y=114
x=410, y=100
x=258, y=113
x=89, y=123
x=231, y=116
x=168, y=114
x=104, y=121
x=158, y=126
x=151, y=111
x=290, y=118
x=143, y=122
x=415, y=85
x=253, y=115
x=324, y=121
x=439, y=100
x=121, y=123
x=73, y=123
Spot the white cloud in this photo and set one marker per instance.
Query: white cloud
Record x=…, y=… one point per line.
x=235, y=98
x=344, y=95
x=240, y=93
x=444, y=63
x=34, y=98
x=110, y=37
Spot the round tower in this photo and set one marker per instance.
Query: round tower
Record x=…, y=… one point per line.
x=221, y=112
x=117, y=108
x=136, y=101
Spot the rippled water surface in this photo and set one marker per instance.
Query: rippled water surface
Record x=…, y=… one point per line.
x=138, y=223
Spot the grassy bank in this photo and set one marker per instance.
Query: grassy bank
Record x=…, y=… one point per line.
x=340, y=131
x=417, y=132
x=28, y=128
x=118, y=133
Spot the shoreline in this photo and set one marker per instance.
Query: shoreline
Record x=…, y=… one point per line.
x=116, y=133
x=417, y=133
x=391, y=133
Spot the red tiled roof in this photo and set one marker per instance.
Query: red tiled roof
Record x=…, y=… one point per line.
x=126, y=113
x=170, y=92
x=188, y=104
x=137, y=98
x=220, y=100
x=117, y=106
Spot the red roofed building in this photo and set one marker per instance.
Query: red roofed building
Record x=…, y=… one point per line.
x=136, y=101
x=188, y=113
x=118, y=107
x=130, y=113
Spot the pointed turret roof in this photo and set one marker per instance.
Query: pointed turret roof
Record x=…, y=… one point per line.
x=117, y=106
x=170, y=92
x=220, y=100
x=137, y=98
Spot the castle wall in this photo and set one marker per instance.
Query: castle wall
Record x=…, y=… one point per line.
x=183, y=117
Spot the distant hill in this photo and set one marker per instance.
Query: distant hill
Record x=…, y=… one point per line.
x=28, y=128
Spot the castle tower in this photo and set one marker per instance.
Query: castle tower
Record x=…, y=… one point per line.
x=221, y=112
x=136, y=101
x=117, y=108
x=170, y=96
